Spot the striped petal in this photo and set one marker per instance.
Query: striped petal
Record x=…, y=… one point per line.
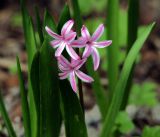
x=67, y=27
x=80, y=43
x=84, y=77
x=52, y=34
x=102, y=44
x=70, y=36
x=71, y=52
x=63, y=69
x=60, y=49
x=85, y=33
x=63, y=61
x=87, y=52
x=97, y=34
x=79, y=64
x=96, y=58
x=55, y=43
x=63, y=75
x=73, y=81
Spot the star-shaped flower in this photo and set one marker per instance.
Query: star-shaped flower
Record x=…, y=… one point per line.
x=71, y=70
x=90, y=43
x=63, y=41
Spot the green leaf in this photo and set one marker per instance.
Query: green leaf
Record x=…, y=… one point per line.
x=133, y=18
x=98, y=89
x=24, y=102
x=151, y=131
x=34, y=75
x=124, y=123
x=6, y=119
x=77, y=16
x=65, y=16
x=31, y=45
x=39, y=25
x=122, y=82
x=49, y=21
x=145, y=93
x=112, y=51
x=73, y=115
x=46, y=91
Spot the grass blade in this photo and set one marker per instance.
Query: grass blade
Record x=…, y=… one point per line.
x=24, y=102
x=112, y=34
x=6, y=119
x=73, y=114
x=121, y=84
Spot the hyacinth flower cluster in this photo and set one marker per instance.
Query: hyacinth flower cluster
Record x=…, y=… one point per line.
x=67, y=40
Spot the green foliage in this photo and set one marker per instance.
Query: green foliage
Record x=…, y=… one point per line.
x=6, y=119
x=122, y=82
x=24, y=102
x=73, y=115
x=124, y=123
x=145, y=93
x=151, y=131
x=87, y=7
x=98, y=89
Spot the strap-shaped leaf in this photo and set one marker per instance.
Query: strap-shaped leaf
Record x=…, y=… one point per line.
x=30, y=42
x=6, y=119
x=73, y=115
x=112, y=51
x=46, y=92
x=122, y=82
x=133, y=18
x=65, y=16
x=39, y=25
x=49, y=21
x=99, y=92
x=24, y=102
x=34, y=76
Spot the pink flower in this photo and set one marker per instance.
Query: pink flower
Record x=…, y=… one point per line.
x=71, y=70
x=90, y=43
x=63, y=41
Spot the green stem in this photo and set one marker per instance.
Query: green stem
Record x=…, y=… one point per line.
x=78, y=22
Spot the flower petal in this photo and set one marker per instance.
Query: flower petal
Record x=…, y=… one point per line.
x=63, y=61
x=60, y=49
x=73, y=81
x=77, y=64
x=52, y=34
x=67, y=27
x=70, y=36
x=71, y=52
x=96, y=58
x=102, y=44
x=80, y=43
x=63, y=75
x=87, y=52
x=85, y=33
x=97, y=34
x=55, y=43
x=84, y=77
x=63, y=69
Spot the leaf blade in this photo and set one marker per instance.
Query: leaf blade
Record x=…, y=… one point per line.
x=121, y=84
